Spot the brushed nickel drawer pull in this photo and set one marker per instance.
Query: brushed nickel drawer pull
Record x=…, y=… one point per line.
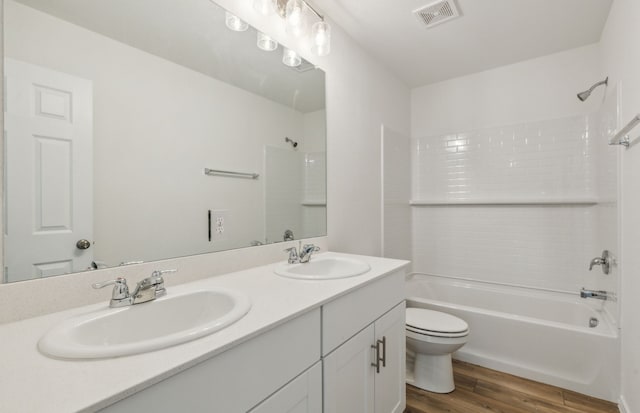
x=378, y=357
x=377, y=363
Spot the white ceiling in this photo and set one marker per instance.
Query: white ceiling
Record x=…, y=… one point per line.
x=489, y=34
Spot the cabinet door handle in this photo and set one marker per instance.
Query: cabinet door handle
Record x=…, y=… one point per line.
x=379, y=359
x=377, y=363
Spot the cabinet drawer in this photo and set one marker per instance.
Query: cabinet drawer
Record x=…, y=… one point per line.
x=302, y=395
x=237, y=379
x=346, y=315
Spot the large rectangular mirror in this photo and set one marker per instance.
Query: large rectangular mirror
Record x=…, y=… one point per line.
x=113, y=112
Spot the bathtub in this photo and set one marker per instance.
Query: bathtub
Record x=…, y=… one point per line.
x=541, y=335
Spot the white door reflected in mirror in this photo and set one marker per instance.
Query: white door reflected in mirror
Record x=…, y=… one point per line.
x=48, y=197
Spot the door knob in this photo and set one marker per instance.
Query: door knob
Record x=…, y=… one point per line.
x=83, y=244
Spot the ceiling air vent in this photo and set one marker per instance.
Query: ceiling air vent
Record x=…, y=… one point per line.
x=438, y=12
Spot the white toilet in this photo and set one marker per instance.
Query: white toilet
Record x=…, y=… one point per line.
x=431, y=338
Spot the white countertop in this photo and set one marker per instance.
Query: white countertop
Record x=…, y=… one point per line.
x=32, y=382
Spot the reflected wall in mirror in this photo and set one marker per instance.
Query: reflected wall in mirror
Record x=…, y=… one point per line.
x=113, y=111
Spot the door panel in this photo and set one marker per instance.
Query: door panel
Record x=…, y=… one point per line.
x=49, y=171
x=390, y=382
x=348, y=376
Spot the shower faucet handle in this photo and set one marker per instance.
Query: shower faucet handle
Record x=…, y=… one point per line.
x=604, y=261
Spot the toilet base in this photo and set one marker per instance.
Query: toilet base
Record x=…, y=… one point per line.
x=433, y=373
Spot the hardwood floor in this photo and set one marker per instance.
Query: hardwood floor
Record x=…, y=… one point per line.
x=481, y=390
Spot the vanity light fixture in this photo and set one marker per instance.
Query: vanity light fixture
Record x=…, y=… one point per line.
x=264, y=7
x=321, y=35
x=294, y=12
x=266, y=42
x=234, y=23
x=291, y=58
x=294, y=17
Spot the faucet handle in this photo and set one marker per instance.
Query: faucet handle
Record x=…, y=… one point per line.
x=120, y=289
x=310, y=248
x=159, y=273
x=157, y=281
x=293, y=255
x=293, y=251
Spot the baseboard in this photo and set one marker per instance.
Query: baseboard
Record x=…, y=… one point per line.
x=622, y=405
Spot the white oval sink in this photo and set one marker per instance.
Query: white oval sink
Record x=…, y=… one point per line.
x=164, y=322
x=323, y=268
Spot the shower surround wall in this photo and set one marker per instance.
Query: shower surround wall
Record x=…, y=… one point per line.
x=511, y=204
x=517, y=178
x=295, y=193
x=528, y=204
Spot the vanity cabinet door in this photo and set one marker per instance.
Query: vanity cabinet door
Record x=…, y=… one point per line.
x=390, y=395
x=349, y=375
x=353, y=383
x=302, y=395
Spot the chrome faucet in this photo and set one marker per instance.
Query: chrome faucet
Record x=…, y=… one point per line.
x=306, y=251
x=146, y=290
x=598, y=294
x=303, y=256
x=288, y=235
x=293, y=255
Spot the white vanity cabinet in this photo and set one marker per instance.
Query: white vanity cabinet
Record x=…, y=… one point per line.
x=320, y=361
x=364, y=349
x=240, y=378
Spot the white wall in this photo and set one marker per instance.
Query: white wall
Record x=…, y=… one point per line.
x=152, y=109
x=621, y=57
x=314, y=129
x=538, y=89
x=283, y=183
x=314, y=213
x=396, y=165
x=361, y=95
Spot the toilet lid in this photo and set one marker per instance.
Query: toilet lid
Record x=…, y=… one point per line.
x=436, y=321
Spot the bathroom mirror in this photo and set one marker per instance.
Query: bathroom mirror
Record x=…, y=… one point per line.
x=115, y=109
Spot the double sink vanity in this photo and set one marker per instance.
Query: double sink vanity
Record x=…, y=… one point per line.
x=322, y=336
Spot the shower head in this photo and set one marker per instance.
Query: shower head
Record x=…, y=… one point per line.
x=585, y=95
x=291, y=141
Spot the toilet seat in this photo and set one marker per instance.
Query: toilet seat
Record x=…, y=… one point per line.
x=435, y=323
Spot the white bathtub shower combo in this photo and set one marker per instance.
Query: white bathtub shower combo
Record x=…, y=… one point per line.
x=502, y=219
x=555, y=338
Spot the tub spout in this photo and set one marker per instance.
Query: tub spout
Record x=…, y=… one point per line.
x=598, y=294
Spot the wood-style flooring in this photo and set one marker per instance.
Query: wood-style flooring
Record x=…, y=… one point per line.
x=482, y=390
